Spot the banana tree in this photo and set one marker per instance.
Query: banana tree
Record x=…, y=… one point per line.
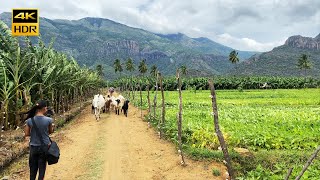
x=31, y=72
x=16, y=65
x=6, y=93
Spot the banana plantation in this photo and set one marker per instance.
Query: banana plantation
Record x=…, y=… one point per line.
x=29, y=72
x=225, y=82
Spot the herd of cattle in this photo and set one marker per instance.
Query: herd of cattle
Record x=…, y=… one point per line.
x=108, y=104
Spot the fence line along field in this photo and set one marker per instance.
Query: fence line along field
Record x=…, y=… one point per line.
x=268, y=131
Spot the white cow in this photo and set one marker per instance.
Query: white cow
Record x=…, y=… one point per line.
x=113, y=103
x=122, y=100
x=117, y=103
x=98, y=103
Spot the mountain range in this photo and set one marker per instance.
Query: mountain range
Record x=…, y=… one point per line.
x=93, y=41
x=283, y=60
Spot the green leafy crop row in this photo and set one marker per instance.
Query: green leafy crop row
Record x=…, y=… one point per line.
x=274, y=121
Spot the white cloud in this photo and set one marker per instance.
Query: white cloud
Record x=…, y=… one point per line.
x=250, y=24
x=247, y=43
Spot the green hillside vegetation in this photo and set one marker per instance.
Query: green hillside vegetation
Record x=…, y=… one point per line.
x=94, y=41
x=281, y=61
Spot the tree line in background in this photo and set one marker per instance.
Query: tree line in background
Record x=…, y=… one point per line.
x=31, y=72
x=221, y=82
x=226, y=82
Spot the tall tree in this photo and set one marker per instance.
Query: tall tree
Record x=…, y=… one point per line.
x=304, y=63
x=99, y=70
x=184, y=70
x=117, y=66
x=154, y=70
x=233, y=57
x=142, y=69
x=130, y=67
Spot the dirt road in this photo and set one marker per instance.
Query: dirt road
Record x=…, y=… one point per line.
x=120, y=148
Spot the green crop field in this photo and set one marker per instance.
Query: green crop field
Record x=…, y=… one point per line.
x=280, y=128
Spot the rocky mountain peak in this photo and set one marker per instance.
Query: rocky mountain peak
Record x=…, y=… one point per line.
x=174, y=37
x=318, y=38
x=304, y=42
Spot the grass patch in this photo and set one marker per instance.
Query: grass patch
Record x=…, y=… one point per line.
x=216, y=172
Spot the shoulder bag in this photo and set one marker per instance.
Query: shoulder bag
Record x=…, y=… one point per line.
x=53, y=152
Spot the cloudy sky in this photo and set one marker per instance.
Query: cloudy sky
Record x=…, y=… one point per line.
x=257, y=25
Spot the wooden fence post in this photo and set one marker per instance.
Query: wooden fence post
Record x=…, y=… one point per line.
x=218, y=132
x=163, y=112
x=133, y=89
x=288, y=174
x=140, y=98
x=180, y=118
x=308, y=163
x=127, y=93
x=148, y=96
x=155, y=98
